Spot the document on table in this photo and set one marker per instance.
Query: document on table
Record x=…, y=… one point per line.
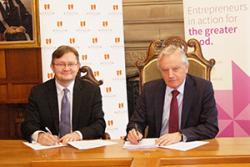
x=88, y=144
x=184, y=146
x=150, y=143
x=37, y=146
x=144, y=143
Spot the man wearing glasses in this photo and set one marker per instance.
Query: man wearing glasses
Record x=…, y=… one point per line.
x=64, y=108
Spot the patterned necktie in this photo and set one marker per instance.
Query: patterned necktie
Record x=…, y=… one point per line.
x=6, y=7
x=64, y=125
x=174, y=115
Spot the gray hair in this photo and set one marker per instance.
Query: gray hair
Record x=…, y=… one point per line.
x=171, y=49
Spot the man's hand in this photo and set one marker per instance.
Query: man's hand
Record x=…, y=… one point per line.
x=169, y=138
x=74, y=136
x=134, y=136
x=47, y=139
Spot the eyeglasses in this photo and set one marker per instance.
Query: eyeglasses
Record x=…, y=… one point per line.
x=62, y=65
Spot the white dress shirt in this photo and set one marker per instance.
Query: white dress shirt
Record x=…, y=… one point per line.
x=166, y=107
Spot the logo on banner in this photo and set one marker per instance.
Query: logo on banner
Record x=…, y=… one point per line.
x=108, y=92
x=119, y=75
x=84, y=57
x=48, y=41
x=70, y=6
x=96, y=73
x=93, y=6
x=115, y=10
x=46, y=10
x=108, y=89
x=121, y=105
x=106, y=56
x=70, y=9
x=72, y=40
x=59, y=27
x=118, y=72
x=111, y=125
x=117, y=40
x=93, y=10
x=83, y=27
x=105, y=23
x=117, y=43
x=110, y=122
x=95, y=43
x=94, y=40
x=105, y=26
x=46, y=6
x=82, y=23
x=107, y=60
x=59, y=23
x=115, y=7
x=50, y=75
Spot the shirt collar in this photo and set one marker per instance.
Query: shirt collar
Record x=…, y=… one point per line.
x=180, y=88
x=60, y=88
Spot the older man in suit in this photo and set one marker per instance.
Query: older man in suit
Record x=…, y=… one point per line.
x=179, y=107
x=64, y=108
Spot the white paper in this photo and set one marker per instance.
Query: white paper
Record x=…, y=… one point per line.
x=88, y=144
x=37, y=146
x=144, y=143
x=184, y=146
x=150, y=143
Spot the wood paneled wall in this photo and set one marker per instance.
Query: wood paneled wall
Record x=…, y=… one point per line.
x=148, y=20
x=20, y=69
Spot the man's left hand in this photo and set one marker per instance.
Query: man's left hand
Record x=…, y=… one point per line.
x=74, y=136
x=169, y=138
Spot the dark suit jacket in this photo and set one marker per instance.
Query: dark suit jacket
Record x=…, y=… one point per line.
x=87, y=116
x=199, y=113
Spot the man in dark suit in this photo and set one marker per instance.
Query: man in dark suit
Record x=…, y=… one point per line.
x=64, y=108
x=196, y=115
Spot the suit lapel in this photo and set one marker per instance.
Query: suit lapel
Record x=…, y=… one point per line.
x=160, y=94
x=76, y=102
x=189, y=93
x=53, y=103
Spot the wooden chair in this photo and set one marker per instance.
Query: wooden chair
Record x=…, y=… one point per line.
x=198, y=65
x=86, y=74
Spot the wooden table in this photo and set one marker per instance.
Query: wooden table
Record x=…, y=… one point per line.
x=230, y=152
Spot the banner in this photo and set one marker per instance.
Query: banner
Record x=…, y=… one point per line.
x=222, y=27
x=95, y=29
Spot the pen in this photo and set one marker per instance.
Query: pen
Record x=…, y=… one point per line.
x=137, y=131
x=47, y=129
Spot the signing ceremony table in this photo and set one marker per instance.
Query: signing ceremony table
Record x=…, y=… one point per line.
x=230, y=152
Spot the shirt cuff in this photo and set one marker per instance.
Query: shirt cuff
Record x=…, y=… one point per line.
x=34, y=136
x=80, y=134
x=184, y=138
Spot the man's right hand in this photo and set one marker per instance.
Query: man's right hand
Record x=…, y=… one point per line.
x=47, y=139
x=134, y=136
